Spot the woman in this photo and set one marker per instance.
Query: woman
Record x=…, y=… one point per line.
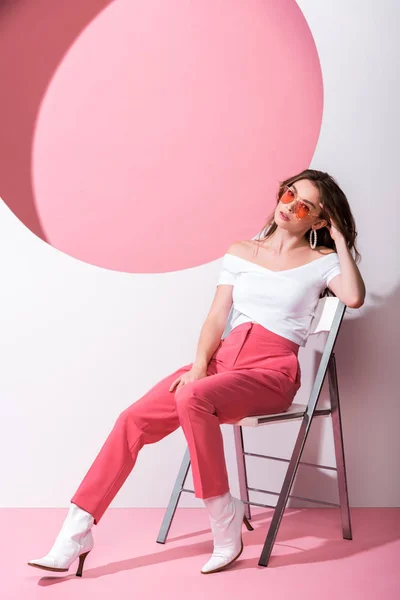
x=269, y=289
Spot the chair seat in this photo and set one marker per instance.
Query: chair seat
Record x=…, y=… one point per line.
x=295, y=411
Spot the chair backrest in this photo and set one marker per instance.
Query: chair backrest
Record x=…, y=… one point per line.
x=324, y=314
x=328, y=317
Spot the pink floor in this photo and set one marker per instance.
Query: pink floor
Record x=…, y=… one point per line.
x=310, y=559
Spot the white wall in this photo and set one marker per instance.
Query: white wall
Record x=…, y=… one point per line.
x=64, y=380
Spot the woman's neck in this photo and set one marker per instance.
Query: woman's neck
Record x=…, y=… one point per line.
x=283, y=242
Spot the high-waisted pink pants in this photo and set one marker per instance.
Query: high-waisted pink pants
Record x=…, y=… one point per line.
x=253, y=371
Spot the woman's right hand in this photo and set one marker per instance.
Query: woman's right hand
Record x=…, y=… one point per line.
x=192, y=375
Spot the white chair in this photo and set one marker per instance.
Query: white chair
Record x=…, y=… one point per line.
x=328, y=318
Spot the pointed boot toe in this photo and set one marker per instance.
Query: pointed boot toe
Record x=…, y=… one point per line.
x=219, y=561
x=48, y=562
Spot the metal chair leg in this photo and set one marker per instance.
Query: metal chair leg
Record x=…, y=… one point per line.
x=174, y=499
x=302, y=436
x=285, y=491
x=242, y=472
x=339, y=449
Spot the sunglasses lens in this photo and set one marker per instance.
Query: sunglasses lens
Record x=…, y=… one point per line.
x=287, y=196
x=302, y=210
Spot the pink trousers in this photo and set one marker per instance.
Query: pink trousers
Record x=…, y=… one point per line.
x=253, y=371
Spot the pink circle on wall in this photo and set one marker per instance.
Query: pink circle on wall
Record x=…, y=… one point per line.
x=167, y=125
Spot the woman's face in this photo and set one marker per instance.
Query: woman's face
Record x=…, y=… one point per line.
x=304, y=200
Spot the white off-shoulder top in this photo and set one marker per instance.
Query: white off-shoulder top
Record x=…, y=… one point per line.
x=282, y=301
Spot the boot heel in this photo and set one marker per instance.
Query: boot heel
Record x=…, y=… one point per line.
x=82, y=558
x=248, y=525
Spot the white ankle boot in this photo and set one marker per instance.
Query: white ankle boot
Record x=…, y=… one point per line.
x=74, y=539
x=226, y=517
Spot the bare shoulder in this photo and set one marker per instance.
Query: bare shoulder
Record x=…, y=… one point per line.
x=240, y=248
